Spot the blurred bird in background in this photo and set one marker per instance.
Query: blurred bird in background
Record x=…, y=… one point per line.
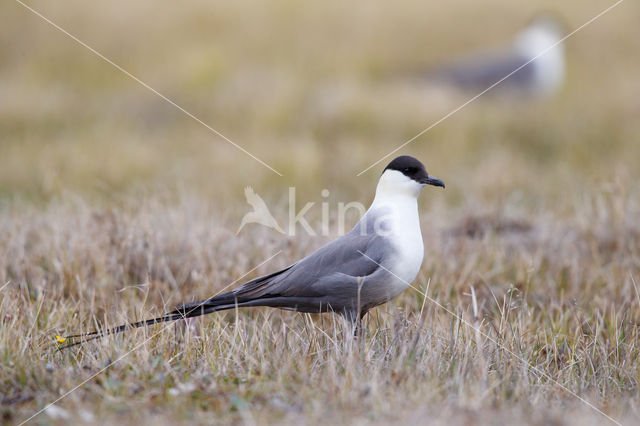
x=543, y=74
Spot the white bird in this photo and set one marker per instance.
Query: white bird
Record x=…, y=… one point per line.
x=370, y=265
x=538, y=45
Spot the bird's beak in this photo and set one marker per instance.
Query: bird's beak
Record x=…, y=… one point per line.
x=430, y=180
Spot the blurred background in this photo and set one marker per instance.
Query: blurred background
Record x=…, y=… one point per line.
x=319, y=91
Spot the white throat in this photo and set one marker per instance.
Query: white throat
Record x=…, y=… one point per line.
x=396, y=201
x=394, y=185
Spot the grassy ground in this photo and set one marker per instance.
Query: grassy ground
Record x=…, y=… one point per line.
x=115, y=206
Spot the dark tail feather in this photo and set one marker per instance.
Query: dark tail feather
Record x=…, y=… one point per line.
x=186, y=311
x=87, y=337
x=221, y=302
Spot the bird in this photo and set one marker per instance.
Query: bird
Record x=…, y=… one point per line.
x=366, y=267
x=260, y=213
x=536, y=52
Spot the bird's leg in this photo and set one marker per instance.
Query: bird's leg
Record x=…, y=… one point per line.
x=357, y=317
x=358, y=331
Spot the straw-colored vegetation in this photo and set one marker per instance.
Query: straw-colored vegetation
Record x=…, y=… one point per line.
x=115, y=206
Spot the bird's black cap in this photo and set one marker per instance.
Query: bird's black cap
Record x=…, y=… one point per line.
x=413, y=169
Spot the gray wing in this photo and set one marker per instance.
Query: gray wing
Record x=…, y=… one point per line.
x=326, y=280
x=478, y=72
x=323, y=272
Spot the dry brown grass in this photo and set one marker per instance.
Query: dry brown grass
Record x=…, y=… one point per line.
x=556, y=294
x=104, y=187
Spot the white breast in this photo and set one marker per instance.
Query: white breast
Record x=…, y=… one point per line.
x=539, y=43
x=396, y=206
x=407, y=240
x=402, y=230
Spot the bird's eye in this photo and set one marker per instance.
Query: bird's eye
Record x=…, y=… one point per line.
x=409, y=169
